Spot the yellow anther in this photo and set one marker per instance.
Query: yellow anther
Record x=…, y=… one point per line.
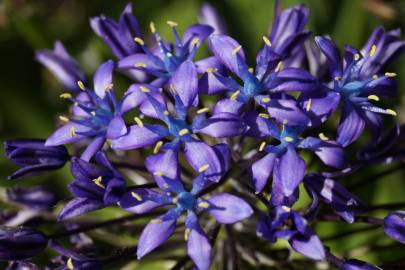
x=211, y=70
x=93, y=113
x=236, y=50
x=373, y=97
x=390, y=74
x=63, y=118
x=203, y=168
x=136, y=196
x=279, y=66
x=235, y=95
x=158, y=173
x=81, y=85
x=265, y=100
x=250, y=70
x=323, y=137
x=157, y=147
x=138, y=121
x=139, y=41
x=99, y=182
x=173, y=88
x=140, y=64
x=288, y=139
x=338, y=78
x=194, y=41
x=286, y=208
x=172, y=23
x=264, y=115
x=144, y=89
x=309, y=104
x=183, y=132
x=262, y=146
x=108, y=87
x=392, y=112
x=204, y=205
x=166, y=113
x=69, y=264
x=152, y=27
x=375, y=77
x=203, y=110
x=186, y=234
x=72, y=132
x=65, y=95
x=175, y=200
x=356, y=56
x=373, y=50
x=156, y=221
x=267, y=41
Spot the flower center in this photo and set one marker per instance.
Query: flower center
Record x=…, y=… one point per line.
x=186, y=200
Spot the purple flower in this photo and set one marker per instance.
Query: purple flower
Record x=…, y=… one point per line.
x=358, y=265
x=394, y=226
x=96, y=114
x=358, y=79
x=94, y=187
x=34, y=156
x=288, y=224
x=32, y=198
x=282, y=160
x=20, y=243
x=164, y=61
x=209, y=15
x=334, y=194
x=21, y=265
x=224, y=207
x=178, y=130
x=62, y=65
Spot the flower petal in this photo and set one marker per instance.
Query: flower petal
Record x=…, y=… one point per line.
x=63, y=135
x=185, y=83
x=308, y=245
x=228, y=209
x=222, y=125
x=331, y=52
x=103, y=78
x=351, y=125
x=261, y=171
x=139, y=137
x=199, y=31
x=79, y=206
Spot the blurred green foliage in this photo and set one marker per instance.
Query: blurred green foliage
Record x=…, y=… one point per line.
x=29, y=101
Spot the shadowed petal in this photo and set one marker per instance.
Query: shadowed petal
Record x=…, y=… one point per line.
x=139, y=137
x=63, y=135
x=351, y=125
x=222, y=125
x=79, y=206
x=308, y=245
x=261, y=171
x=331, y=52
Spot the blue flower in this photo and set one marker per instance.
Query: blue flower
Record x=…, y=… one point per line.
x=394, y=226
x=32, y=198
x=358, y=265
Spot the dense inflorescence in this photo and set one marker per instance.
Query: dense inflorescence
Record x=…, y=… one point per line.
x=202, y=165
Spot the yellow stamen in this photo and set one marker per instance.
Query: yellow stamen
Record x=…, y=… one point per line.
x=375, y=77
x=158, y=173
x=286, y=208
x=211, y=70
x=69, y=264
x=108, y=87
x=144, y=89
x=138, y=121
x=81, y=85
x=279, y=66
x=172, y=23
x=136, y=196
x=156, y=221
x=98, y=182
x=264, y=115
x=204, y=205
x=186, y=234
x=173, y=88
x=356, y=56
x=285, y=122
x=392, y=112
x=250, y=70
x=309, y=104
x=152, y=27
x=139, y=41
x=236, y=50
x=338, y=78
x=194, y=41
x=373, y=50
x=266, y=100
x=262, y=146
x=182, y=132
x=390, y=74
x=203, y=110
x=175, y=200
x=373, y=97
x=288, y=139
x=267, y=41
x=157, y=147
x=63, y=118
x=65, y=95
x=323, y=137
x=166, y=113
x=140, y=64
x=203, y=168
x=235, y=95
x=93, y=113
x=72, y=132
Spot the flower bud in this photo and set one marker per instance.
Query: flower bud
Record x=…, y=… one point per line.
x=394, y=226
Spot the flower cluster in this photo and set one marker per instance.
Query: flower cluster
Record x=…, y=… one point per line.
x=250, y=142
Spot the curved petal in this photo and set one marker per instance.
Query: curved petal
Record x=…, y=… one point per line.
x=331, y=52
x=222, y=125
x=293, y=79
x=138, y=136
x=351, y=125
x=198, y=245
x=228, y=209
x=79, y=206
x=103, y=78
x=261, y=171
x=259, y=126
x=286, y=110
x=116, y=128
x=67, y=134
x=229, y=106
x=185, y=82
x=199, y=31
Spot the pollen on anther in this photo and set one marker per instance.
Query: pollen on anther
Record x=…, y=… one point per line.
x=172, y=23
x=99, y=182
x=390, y=74
x=323, y=137
x=286, y=208
x=356, y=56
x=373, y=97
x=72, y=132
x=65, y=95
x=108, y=87
x=183, y=132
x=279, y=66
x=309, y=104
x=138, y=121
x=264, y=115
x=267, y=41
x=166, y=113
x=204, y=205
x=338, y=78
x=266, y=100
x=144, y=89
x=235, y=95
x=63, y=118
x=136, y=196
x=375, y=77
x=194, y=41
x=139, y=41
x=203, y=168
x=158, y=173
x=81, y=85
x=391, y=112
x=236, y=50
x=156, y=221
x=373, y=50
x=186, y=234
x=157, y=147
x=173, y=88
x=175, y=200
x=152, y=27
x=288, y=139
x=262, y=146
x=69, y=264
x=140, y=64
x=203, y=110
